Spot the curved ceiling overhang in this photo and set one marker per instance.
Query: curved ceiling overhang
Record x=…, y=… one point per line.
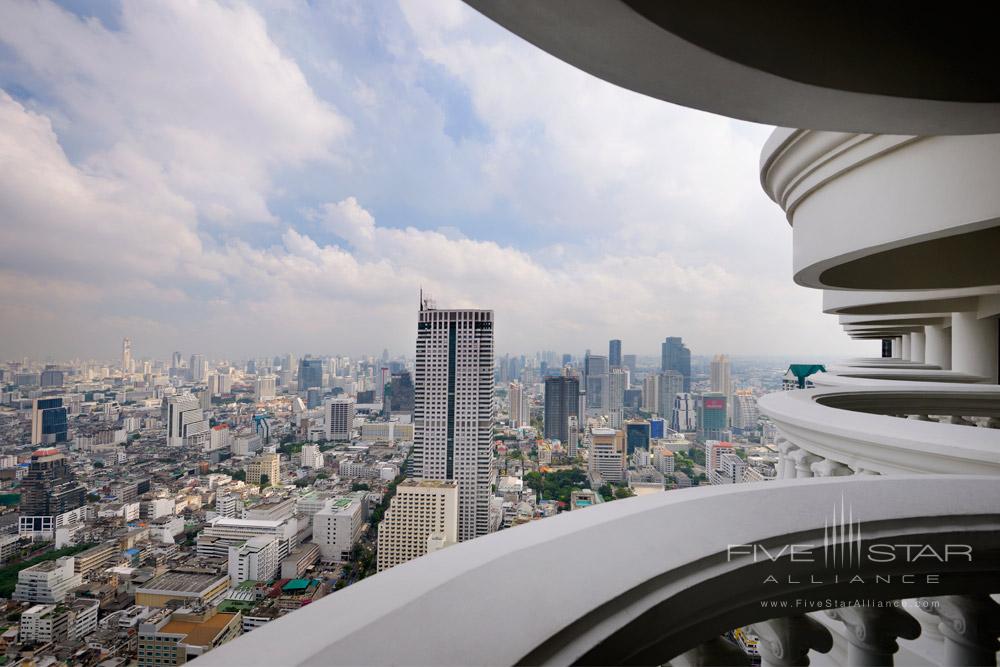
x=922, y=71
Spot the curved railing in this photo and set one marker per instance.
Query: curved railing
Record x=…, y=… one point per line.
x=636, y=581
x=859, y=429
x=837, y=376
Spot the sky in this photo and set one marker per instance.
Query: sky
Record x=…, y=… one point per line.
x=239, y=179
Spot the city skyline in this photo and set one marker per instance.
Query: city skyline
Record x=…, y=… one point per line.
x=384, y=156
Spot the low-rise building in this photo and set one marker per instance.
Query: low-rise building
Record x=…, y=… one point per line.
x=47, y=582
x=337, y=527
x=182, y=586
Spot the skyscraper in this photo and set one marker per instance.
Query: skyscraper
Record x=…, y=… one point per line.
x=722, y=380
x=562, y=401
x=265, y=388
x=684, y=419
x=712, y=421
x=197, y=368
x=617, y=383
x=49, y=421
x=668, y=385
x=184, y=419
x=595, y=370
x=615, y=353
x=400, y=398
x=453, y=408
x=49, y=487
x=126, y=355
x=339, y=413
x=310, y=373
x=675, y=356
x=519, y=410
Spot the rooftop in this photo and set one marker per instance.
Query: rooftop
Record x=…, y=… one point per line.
x=181, y=582
x=199, y=634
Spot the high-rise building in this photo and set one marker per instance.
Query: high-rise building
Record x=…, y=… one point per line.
x=637, y=435
x=630, y=362
x=453, y=409
x=311, y=456
x=49, y=488
x=49, y=421
x=668, y=385
x=722, y=380
x=310, y=373
x=265, y=388
x=615, y=353
x=400, y=398
x=520, y=412
x=126, y=355
x=675, y=356
x=184, y=419
x=338, y=526
x=712, y=421
x=595, y=370
x=684, y=418
x=562, y=402
x=52, y=377
x=744, y=410
x=198, y=369
x=573, y=437
x=175, y=363
x=422, y=517
x=607, y=454
x=617, y=383
x=339, y=414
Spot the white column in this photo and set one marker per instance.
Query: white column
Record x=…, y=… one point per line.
x=970, y=624
x=906, y=347
x=829, y=468
x=786, y=466
x=787, y=641
x=872, y=632
x=938, y=346
x=897, y=348
x=803, y=462
x=918, y=344
x=974, y=345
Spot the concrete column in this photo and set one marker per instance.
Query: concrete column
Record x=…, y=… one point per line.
x=803, y=463
x=829, y=468
x=974, y=345
x=786, y=465
x=970, y=625
x=906, y=347
x=872, y=632
x=897, y=348
x=938, y=346
x=918, y=343
x=787, y=641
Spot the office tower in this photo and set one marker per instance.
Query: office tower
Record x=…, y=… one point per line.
x=721, y=380
x=562, y=402
x=198, y=369
x=265, y=388
x=339, y=415
x=637, y=435
x=126, y=355
x=617, y=382
x=400, y=393
x=668, y=385
x=567, y=359
x=744, y=410
x=453, y=409
x=674, y=356
x=573, y=437
x=175, y=362
x=657, y=427
x=49, y=421
x=615, y=353
x=684, y=418
x=49, y=488
x=264, y=469
x=184, y=420
x=310, y=373
x=629, y=361
x=422, y=517
x=251, y=366
x=520, y=414
x=712, y=421
x=52, y=377
x=595, y=369
x=607, y=454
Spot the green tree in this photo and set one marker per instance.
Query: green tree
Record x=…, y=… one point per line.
x=360, y=486
x=623, y=492
x=264, y=480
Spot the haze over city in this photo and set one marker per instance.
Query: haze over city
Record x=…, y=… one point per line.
x=240, y=179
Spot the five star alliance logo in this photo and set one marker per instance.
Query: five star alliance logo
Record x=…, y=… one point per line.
x=842, y=537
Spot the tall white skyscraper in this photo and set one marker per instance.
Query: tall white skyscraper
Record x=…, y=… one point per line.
x=453, y=409
x=265, y=388
x=339, y=413
x=520, y=414
x=186, y=423
x=617, y=384
x=126, y=355
x=198, y=368
x=722, y=380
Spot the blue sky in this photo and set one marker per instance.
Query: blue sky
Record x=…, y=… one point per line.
x=244, y=179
